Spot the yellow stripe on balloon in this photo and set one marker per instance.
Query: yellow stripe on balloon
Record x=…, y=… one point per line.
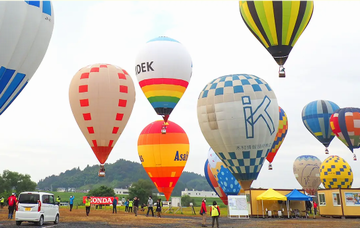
x=270, y=19
x=150, y=152
x=163, y=87
x=295, y=5
x=149, y=173
x=163, y=93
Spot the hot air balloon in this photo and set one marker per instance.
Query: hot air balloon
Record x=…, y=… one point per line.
x=335, y=172
x=102, y=97
x=345, y=125
x=316, y=116
x=26, y=29
x=277, y=25
x=306, y=169
x=239, y=116
x=223, y=176
x=163, y=156
x=214, y=184
x=163, y=69
x=279, y=138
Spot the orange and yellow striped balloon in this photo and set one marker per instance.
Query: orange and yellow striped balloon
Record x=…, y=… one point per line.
x=163, y=156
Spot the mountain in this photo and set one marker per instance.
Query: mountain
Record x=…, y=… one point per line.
x=118, y=175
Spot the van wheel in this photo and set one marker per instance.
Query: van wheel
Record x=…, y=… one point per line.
x=18, y=223
x=56, y=219
x=41, y=221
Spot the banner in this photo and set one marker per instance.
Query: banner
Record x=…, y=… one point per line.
x=352, y=199
x=100, y=200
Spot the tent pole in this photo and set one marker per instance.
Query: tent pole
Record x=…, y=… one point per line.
x=287, y=206
x=262, y=207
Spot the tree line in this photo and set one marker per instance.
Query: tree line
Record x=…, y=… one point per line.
x=15, y=182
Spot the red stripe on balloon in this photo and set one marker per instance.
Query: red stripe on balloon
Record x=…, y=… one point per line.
x=155, y=127
x=167, y=81
x=90, y=130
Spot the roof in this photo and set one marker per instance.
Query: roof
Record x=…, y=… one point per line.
x=296, y=195
x=271, y=194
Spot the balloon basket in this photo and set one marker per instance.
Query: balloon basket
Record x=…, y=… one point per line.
x=326, y=151
x=355, y=159
x=281, y=72
x=102, y=171
x=163, y=129
x=270, y=167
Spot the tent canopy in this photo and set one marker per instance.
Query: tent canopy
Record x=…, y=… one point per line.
x=296, y=195
x=271, y=194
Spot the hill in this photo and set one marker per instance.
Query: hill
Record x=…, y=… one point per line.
x=118, y=175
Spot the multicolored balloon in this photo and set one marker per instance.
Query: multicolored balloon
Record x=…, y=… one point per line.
x=345, y=125
x=306, y=169
x=163, y=156
x=223, y=176
x=335, y=172
x=163, y=68
x=214, y=184
x=102, y=97
x=277, y=25
x=279, y=138
x=316, y=116
x=239, y=118
x=25, y=33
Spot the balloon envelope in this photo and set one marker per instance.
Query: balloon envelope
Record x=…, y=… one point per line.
x=214, y=184
x=223, y=176
x=280, y=135
x=25, y=32
x=163, y=69
x=316, y=116
x=306, y=169
x=345, y=125
x=238, y=116
x=277, y=24
x=102, y=97
x=335, y=172
x=163, y=156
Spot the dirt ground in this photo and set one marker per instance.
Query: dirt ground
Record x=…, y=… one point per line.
x=105, y=218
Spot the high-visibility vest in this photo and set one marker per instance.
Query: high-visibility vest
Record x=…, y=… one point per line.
x=214, y=211
x=58, y=200
x=87, y=203
x=130, y=203
x=2, y=200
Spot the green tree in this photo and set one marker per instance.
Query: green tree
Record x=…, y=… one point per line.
x=101, y=191
x=15, y=182
x=186, y=200
x=142, y=189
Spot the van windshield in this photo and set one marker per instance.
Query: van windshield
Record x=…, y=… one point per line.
x=29, y=198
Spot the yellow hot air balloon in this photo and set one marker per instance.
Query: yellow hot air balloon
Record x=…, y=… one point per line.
x=163, y=156
x=335, y=172
x=102, y=97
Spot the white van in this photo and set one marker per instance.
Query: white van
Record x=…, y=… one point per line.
x=38, y=207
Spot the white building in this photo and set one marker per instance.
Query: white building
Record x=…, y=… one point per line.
x=121, y=191
x=194, y=193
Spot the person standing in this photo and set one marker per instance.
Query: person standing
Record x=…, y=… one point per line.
x=150, y=206
x=158, y=208
x=136, y=205
x=123, y=201
x=315, y=207
x=87, y=205
x=58, y=200
x=203, y=212
x=127, y=205
x=71, y=202
x=130, y=205
x=215, y=213
x=115, y=201
x=11, y=201
x=192, y=207
x=2, y=202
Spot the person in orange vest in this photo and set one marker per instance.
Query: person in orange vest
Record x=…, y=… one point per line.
x=215, y=213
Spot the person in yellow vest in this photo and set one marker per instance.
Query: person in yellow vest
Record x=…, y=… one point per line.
x=130, y=205
x=2, y=202
x=87, y=205
x=58, y=200
x=215, y=213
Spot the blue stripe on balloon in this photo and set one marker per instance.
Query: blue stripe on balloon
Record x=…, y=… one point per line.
x=163, y=38
x=46, y=6
x=5, y=76
x=33, y=3
x=14, y=98
x=163, y=104
x=14, y=84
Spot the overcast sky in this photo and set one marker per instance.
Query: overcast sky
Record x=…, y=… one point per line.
x=40, y=137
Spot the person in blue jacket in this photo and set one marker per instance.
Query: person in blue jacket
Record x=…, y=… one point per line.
x=71, y=202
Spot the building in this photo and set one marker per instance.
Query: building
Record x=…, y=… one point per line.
x=335, y=202
x=194, y=193
x=121, y=191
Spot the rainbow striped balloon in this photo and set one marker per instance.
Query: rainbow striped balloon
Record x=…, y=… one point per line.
x=163, y=69
x=163, y=156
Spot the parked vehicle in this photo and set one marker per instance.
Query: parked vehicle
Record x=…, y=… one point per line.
x=38, y=207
